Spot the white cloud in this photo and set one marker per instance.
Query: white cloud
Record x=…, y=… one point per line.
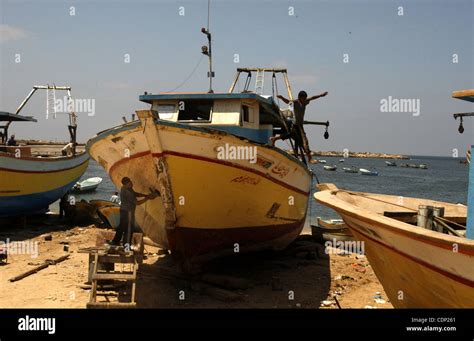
x=10, y=33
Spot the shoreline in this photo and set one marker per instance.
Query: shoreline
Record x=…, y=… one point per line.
x=360, y=155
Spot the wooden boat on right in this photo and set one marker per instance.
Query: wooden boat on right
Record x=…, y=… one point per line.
x=418, y=267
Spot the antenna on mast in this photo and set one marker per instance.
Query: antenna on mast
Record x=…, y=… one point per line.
x=207, y=49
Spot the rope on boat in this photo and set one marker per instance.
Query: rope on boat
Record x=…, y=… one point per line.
x=313, y=173
x=190, y=75
x=442, y=220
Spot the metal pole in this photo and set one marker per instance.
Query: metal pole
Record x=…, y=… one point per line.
x=26, y=100
x=288, y=87
x=438, y=212
x=210, y=62
x=235, y=82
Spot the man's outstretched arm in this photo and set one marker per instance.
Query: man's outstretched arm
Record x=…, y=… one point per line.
x=317, y=96
x=283, y=99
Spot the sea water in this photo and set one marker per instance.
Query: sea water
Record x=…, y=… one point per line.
x=445, y=180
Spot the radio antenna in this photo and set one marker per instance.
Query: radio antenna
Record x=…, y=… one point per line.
x=207, y=49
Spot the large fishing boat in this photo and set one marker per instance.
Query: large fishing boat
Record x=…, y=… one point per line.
x=421, y=250
x=223, y=188
x=34, y=176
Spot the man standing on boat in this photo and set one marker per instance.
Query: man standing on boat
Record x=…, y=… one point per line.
x=12, y=141
x=129, y=201
x=297, y=131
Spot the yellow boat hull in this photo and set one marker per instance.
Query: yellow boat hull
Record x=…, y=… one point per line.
x=418, y=268
x=29, y=185
x=209, y=207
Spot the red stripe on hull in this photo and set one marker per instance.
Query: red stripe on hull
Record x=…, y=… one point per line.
x=465, y=249
x=443, y=272
x=198, y=244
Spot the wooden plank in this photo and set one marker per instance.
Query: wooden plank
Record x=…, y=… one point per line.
x=114, y=275
x=111, y=305
x=117, y=258
x=38, y=268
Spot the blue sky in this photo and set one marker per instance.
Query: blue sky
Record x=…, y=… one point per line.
x=407, y=56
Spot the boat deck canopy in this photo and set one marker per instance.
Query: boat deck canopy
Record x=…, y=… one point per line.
x=150, y=98
x=9, y=117
x=466, y=95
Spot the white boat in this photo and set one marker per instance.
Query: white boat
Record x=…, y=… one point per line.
x=390, y=164
x=87, y=185
x=364, y=171
x=330, y=168
x=350, y=170
x=322, y=161
x=342, y=160
x=330, y=229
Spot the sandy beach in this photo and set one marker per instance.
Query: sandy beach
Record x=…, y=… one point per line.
x=302, y=276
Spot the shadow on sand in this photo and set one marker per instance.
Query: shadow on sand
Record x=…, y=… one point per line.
x=298, y=276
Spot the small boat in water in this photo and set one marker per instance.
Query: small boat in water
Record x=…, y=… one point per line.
x=417, y=266
x=423, y=166
x=390, y=164
x=350, y=170
x=322, y=161
x=33, y=176
x=87, y=185
x=331, y=229
x=364, y=171
x=342, y=160
x=330, y=168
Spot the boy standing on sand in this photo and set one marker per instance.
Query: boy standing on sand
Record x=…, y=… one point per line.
x=129, y=201
x=299, y=107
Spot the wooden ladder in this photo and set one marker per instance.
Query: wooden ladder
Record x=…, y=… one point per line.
x=99, y=274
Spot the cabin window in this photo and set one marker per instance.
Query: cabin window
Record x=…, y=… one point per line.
x=166, y=111
x=195, y=110
x=247, y=114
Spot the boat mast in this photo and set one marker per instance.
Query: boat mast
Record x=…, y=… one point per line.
x=72, y=127
x=207, y=50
